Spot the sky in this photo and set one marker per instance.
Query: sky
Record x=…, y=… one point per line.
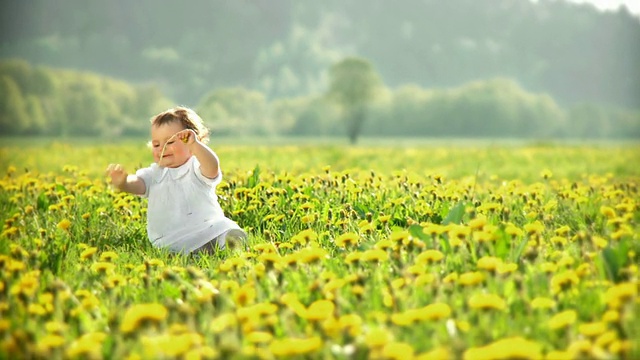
x=632, y=5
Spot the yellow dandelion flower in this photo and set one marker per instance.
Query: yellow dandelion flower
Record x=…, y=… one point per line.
x=559, y=355
x=404, y=318
x=378, y=337
x=489, y=263
x=487, y=301
x=507, y=268
x=514, y=348
x=223, y=322
x=563, y=319
x=434, y=312
x=611, y=316
x=471, y=278
x=620, y=294
x=138, y=314
x=564, y=281
x=88, y=253
x=87, y=346
x=606, y=338
x=608, y=212
x=320, y=310
x=64, y=224
x=592, y=329
x=534, y=228
x=513, y=231
x=312, y=255
x=103, y=267
x=451, y=278
x=108, y=256
x=439, y=353
x=458, y=232
x=51, y=341
x=424, y=279
x=542, y=303
x=374, y=255
x=580, y=348
x=599, y=242
x=294, y=346
x=245, y=295
x=170, y=345
x=259, y=337
x=429, y=256
x=397, y=350
x=348, y=239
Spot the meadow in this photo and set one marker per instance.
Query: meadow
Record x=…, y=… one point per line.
x=414, y=251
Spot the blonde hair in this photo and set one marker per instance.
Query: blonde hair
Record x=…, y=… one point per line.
x=187, y=117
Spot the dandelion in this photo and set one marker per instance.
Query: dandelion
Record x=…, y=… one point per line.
x=606, y=338
x=223, y=322
x=378, y=337
x=108, y=256
x=51, y=341
x=374, y=255
x=434, y=312
x=611, y=316
x=514, y=348
x=312, y=255
x=542, y=303
x=429, y=256
x=398, y=351
x=88, y=253
x=87, y=346
x=294, y=346
x=592, y=329
x=535, y=228
x=487, y=301
x=563, y=319
x=563, y=281
x=320, y=310
x=471, y=278
x=348, y=239
x=138, y=314
x=259, y=337
x=607, y=212
x=64, y=224
x=439, y=353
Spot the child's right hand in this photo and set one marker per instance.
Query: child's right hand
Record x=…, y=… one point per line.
x=118, y=175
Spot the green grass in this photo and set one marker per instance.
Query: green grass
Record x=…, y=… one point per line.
x=342, y=240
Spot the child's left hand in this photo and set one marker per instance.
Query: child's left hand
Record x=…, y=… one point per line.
x=187, y=136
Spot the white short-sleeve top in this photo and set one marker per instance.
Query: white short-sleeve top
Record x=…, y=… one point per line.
x=183, y=211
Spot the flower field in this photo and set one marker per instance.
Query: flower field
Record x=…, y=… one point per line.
x=432, y=252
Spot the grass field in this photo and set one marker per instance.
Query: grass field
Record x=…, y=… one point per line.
x=483, y=250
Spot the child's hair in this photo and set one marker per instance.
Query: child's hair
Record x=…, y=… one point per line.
x=187, y=117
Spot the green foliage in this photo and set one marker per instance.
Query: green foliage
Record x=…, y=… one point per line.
x=354, y=84
x=47, y=101
x=235, y=111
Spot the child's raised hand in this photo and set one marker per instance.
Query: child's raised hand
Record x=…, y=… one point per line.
x=187, y=136
x=118, y=175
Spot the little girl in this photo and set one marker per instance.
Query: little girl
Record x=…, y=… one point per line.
x=183, y=212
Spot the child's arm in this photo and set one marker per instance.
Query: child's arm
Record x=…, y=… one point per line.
x=209, y=163
x=125, y=182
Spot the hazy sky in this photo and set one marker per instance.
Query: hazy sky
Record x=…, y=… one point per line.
x=632, y=5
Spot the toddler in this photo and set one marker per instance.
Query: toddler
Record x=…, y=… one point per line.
x=183, y=212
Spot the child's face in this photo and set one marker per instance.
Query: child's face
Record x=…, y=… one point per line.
x=176, y=152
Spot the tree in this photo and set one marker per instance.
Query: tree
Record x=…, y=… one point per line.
x=354, y=84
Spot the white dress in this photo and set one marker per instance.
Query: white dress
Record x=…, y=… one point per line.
x=183, y=211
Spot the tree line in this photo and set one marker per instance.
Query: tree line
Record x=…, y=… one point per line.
x=39, y=100
x=282, y=48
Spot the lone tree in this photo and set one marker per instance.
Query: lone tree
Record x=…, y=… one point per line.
x=353, y=86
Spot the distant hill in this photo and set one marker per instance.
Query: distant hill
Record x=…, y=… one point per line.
x=284, y=47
